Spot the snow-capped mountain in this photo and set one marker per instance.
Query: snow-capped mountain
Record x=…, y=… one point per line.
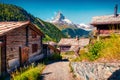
x=85, y=27
x=69, y=28
x=60, y=18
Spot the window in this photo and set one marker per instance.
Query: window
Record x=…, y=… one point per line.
x=34, y=48
x=34, y=34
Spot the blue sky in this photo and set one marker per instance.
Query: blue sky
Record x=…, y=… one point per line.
x=78, y=11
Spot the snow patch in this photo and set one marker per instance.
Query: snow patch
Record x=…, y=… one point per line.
x=67, y=21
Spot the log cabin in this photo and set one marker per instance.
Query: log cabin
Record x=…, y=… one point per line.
x=20, y=43
x=108, y=24
x=71, y=44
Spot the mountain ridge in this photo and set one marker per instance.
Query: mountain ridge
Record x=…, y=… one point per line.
x=69, y=28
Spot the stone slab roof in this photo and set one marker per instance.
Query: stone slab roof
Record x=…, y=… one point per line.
x=108, y=19
x=9, y=26
x=74, y=42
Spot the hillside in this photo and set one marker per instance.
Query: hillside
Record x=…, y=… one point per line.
x=70, y=28
x=14, y=13
x=73, y=32
x=104, y=50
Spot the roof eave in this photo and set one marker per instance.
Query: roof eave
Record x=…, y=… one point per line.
x=63, y=45
x=35, y=28
x=94, y=24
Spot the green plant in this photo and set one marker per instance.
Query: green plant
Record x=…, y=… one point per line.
x=95, y=49
x=71, y=69
x=107, y=49
x=112, y=48
x=69, y=53
x=31, y=73
x=55, y=56
x=52, y=58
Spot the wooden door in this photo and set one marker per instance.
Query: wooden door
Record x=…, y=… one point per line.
x=23, y=53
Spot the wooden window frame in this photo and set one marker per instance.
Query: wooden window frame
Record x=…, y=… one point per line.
x=34, y=34
x=34, y=48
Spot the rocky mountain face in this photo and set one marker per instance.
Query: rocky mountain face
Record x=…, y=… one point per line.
x=62, y=22
x=60, y=18
x=69, y=28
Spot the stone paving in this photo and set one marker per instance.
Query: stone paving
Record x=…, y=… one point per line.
x=57, y=71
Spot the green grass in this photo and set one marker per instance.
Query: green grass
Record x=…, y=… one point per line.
x=55, y=56
x=107, y=49
x=30, y=73
x=112, y=48
x=71, y=68
x=33, y=72
x=69, y=53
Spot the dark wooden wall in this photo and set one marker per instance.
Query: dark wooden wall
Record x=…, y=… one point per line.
x=3, y=54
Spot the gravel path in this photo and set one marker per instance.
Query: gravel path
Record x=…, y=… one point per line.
x=57, y=71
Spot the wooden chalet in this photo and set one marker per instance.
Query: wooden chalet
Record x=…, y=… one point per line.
x=20, y=43
x=107, y=24
x=71, y=44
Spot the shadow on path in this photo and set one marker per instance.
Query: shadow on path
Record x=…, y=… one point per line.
x=43, y=75
x=56, y=70
x=115, y=75
x=54, y=61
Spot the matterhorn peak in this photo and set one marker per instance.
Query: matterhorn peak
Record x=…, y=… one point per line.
x=60, y=18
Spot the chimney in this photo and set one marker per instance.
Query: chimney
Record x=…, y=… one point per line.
x=77, y=38
x=115, y=10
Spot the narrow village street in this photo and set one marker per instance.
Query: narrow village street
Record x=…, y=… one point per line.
x=57, y=71
x=59, y=39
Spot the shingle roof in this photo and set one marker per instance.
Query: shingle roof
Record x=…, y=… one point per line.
x=109, y=19
x=8, y=26
x=74, y=42
x=68, y=42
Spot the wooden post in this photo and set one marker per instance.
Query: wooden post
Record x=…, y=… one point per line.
x=27, y=36
x=0, y=57
x=98, y=35
x=41, y=44
x=20, y=56
x=4, y=68
x=3, y=55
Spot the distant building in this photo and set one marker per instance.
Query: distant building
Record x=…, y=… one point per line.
x=71, y=44
x=20, y=42
x=49, y=50
x=107, y=24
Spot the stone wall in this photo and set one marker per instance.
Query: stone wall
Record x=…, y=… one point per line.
x=96, y=71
